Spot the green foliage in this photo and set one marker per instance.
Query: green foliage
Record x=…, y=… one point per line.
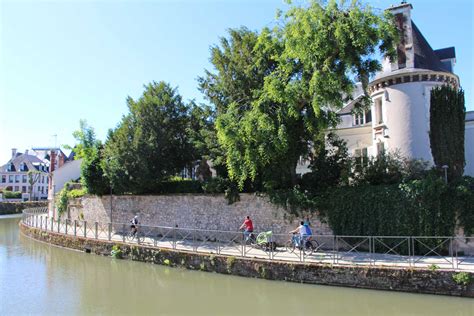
x=447, y=115
x=230, y=263
x=272, y=90
x=116, y=252
x=150, y=144
x=180, y=186
x=433, y=267
x=89, y=149
x=62, y=201
x=330, y=165
x=76, y=193
x=11, y=195
x=293, y=200
x=462, y=278
x=416, y=208
x=390, y=168
x=464, y=198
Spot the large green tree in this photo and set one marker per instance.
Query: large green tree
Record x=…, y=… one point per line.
x=151, y=142
x=274, y=90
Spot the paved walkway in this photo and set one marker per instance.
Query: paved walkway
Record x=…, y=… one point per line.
x=230, y=243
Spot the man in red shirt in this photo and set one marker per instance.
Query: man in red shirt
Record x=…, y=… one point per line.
x=248, y=227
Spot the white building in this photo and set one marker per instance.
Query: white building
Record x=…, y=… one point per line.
x=398, y=119
x=14, y=174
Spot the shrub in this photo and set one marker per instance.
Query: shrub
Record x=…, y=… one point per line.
x=180, y=186
x=76, y=193
x=11, y=195
x=116, y=252
x=462, y=278
x=464, y=194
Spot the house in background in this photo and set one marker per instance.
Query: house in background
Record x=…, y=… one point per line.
x=399, y=118
x=14, y=174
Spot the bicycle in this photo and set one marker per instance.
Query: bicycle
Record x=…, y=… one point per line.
x=263, y=241
x=134, y=234
x=310, y=245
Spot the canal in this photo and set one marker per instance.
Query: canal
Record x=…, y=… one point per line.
x=36, y=278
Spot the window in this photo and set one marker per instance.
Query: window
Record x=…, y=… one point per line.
x=380, y=148
x=23, y=189
x=10, y=178
x=17, y=188
x=361, y=158
x=4, y=179
x=378, y=111
x=362, y=118
x=24, y=178
x=17, y=178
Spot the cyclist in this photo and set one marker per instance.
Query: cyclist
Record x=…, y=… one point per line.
x=302, y=234
x=134, y=225
x=248, y=228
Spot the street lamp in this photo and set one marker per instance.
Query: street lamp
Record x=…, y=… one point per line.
x=109, y=159
x=445, y=167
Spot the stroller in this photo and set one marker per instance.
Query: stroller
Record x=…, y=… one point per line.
x=264, y=241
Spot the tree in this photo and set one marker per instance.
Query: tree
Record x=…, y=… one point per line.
x=150, y=144
x=447, y=115
x=89, y=149
x=203, y=137
x=274, y=90
x=33, y=177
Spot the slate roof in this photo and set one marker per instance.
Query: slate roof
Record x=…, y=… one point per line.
x=425, y=57
x=445, y=53
x=31, y=162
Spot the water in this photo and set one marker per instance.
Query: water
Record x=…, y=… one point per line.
x=36, y=278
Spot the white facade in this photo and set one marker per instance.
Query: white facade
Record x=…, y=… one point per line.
x=70, y=171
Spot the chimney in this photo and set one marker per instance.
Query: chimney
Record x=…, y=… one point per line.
x=26, y=151
x=405, y=50
x=13, y=152
x=52, y=161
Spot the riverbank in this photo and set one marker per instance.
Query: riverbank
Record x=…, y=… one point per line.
x=379, y=278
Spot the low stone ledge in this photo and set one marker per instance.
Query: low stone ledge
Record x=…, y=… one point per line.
x=378, y=278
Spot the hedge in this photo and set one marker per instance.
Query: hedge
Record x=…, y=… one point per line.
x=18, y=207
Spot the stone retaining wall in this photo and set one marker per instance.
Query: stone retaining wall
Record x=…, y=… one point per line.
x=407, y=280
x=200, y=211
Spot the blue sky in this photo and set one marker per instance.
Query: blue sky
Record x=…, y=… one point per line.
x=62, y=61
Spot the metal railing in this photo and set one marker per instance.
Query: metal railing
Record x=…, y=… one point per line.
x=453, y=253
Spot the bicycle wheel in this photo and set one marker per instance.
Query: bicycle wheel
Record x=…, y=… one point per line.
x=130, y=236
x=290, y=246
x=310, y=247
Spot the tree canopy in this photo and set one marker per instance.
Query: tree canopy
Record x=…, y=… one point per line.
x=150, y=144
x=274, y=89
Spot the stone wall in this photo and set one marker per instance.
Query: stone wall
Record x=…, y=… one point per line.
x=190, y=211
x=395, y=279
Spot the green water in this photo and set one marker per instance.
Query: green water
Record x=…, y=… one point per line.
x=36, y=278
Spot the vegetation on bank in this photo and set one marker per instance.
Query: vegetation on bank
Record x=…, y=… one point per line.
x=17, y=207
x=272, y=100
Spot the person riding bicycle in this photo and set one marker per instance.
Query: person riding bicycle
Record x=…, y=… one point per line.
x=134, y=225
x=248, y=228
x=302, y=234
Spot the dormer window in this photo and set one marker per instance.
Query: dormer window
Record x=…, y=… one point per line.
x=23, y=167
x=362, y=118
x=11, y=167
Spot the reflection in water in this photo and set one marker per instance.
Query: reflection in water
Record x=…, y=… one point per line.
x=41, y=279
